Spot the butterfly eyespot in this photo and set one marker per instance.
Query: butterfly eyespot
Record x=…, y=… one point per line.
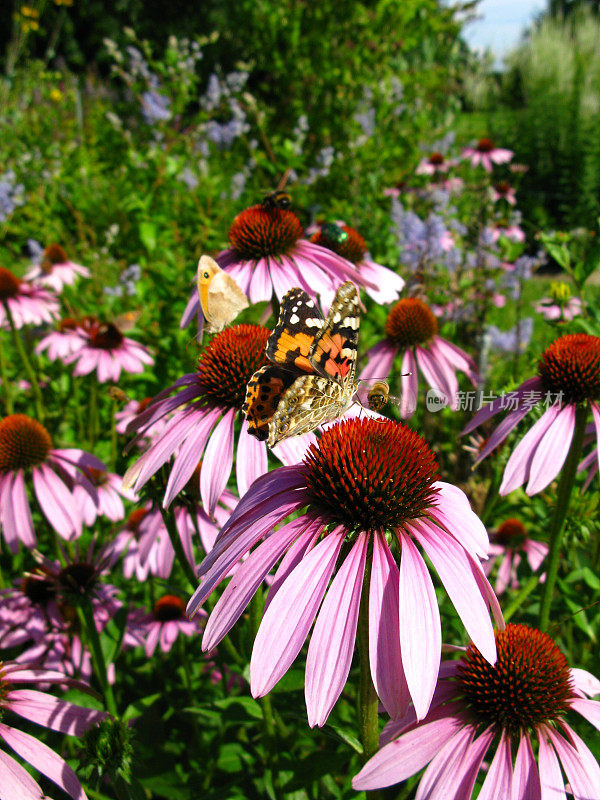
x=283, y=426
x=206, y=275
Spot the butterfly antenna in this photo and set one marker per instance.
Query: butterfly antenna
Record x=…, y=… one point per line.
x=284, y=179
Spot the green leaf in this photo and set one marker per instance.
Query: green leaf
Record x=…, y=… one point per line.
x=231, y=757
x=112, y=634
x=347, y=737
x=249, y=705
x=137, y=708
x=147, y=232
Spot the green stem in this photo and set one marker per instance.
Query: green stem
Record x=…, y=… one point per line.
x=86, y=615
x=521, y=597
x=93, y=413
x=168, y=516
x=367, y=703
x=37, y=393
x=5, y=382
x=113, y=435
x=563, y=495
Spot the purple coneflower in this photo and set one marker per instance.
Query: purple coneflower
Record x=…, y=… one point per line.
x=268, y=255
x=55, y=269
x=28, y=609
x=512, y=232
x=167, y=621
x=349, y=244
x=503, y=191
x=487, y=154
x=560, y=307
x=27, y=456
x=109, y=497
x=568, y=377
x=508, y=543
x=204, y=411
x=506, y=709
x=107, y=351
x=63, y=342
x=27, y=304
x=363, y=481
x=129, y=412
x=49, y=712
x=433, y=165
x=412, y=330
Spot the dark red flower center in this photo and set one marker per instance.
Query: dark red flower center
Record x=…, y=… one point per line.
x=410, y=322
x=97, y=476
x=343, y=240
x=370, y=475
x=143, y=404
x=53, y=254
x=24, y=442
x=570, y=368
x=134, y=520
x=502, y=187
x=229, y=361
x=485, y=145
x=78, y=578
x=68, y=324
x=105, y=336
x=511, y=533
x=436, y=159
x=37, y=587
x=529, y=684
x=258, y=232
x=168, y=608
x=9, y=284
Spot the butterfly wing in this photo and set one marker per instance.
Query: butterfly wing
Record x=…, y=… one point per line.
x=263, y=393
x=299, y=322
x=225, y=301
x=333, y=352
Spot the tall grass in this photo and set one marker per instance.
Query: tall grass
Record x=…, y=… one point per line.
x=553, y=82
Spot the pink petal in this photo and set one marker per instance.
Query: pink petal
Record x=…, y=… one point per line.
x=441, y=778
x=580, y=766
x=246, y=581
x=526, y=778
x=551, y=452
x=21, y=511
x=261, y=288
x=251, y=460
x=500, y=433
x=585, y=682
x=498, y=780
x=51, y=712
x=380, y=360
x=287, y=620
x=420, y=629
x=217, y=462
x=502, y=402
x=454, y=570
x=596, y=418
x=56, y=502
x=409, y=382
x=332, y=642
x=43, y=759
x=188, y=457
x=401, y=758
x=458, y=358
x=553, y=785
x=384, y=631
x=16, y=782
x=516, y=471
x=437, y=376
x=294, y=556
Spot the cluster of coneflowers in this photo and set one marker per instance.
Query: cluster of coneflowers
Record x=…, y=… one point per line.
x=345, y=535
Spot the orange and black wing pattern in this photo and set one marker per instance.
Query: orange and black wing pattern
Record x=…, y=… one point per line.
x=333, y=352
x=263, y=393
x=300, y=321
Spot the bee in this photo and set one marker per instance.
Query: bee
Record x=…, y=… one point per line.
x=279, y=198
x=378, y=395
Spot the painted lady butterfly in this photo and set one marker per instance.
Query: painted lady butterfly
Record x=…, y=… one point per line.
x=311, y=378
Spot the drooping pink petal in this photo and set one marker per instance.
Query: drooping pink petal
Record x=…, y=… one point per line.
x=247, y=579
x=458, y=358
x=453, y=512
x=16, y=782
x=251, y=460
x=186, y=460
x=536, y=553
x=420, y=629
x=580, y=766
x=526, y=778
x=217, y=462
x=332, y=642
x=261, y=288
x=530, y=385
x=380, y=359
x=52, y=712
x=401, y=758
x=585, y=682
x=469, y=769
x=385, y=656
x=287, y=620
x=43, y=759
x=436, y=376
x=21, y=510
x=551, y=452
x=552, y=783
x=596, y=419
x=452, y=565
x=504, y=573
x=516, y=471
x=56, y=502
x=441, y=778
x=500, y=433
x=409, y=382
x=294, y=555
x=498, y=781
